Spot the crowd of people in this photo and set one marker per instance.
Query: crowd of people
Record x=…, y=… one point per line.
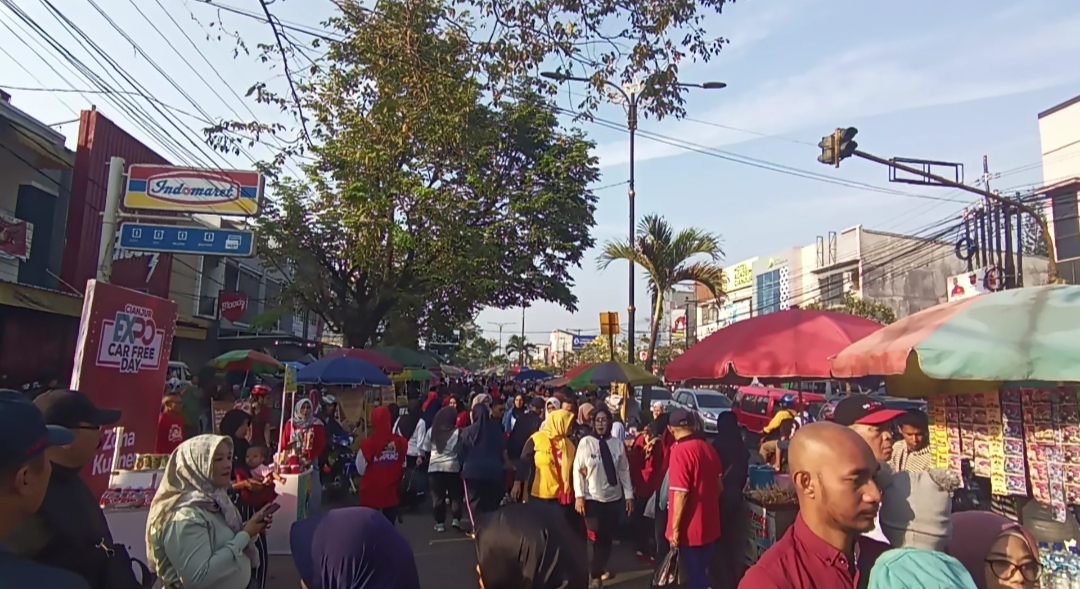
x=543, y=482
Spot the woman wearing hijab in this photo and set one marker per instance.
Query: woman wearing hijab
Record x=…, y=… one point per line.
x=444, y=468
x=546, y=466
x=380, y=464
x=583, y=427
x=516, y=410
x=305, y=432
x=602, y=490
x=235, y=425
x=483, y=462
x=728, y=564
x=913, y=568
x=519, y=547
x=352, y=548
x=411, y=426
x=195, y=537
x=998, y=552
x=430, y=406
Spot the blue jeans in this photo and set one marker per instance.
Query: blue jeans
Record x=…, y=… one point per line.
x=695, y=563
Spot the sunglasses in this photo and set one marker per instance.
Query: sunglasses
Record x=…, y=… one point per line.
x=1004, y=569
x=96, y=428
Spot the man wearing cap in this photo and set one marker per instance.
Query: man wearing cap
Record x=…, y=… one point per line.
x=69, y=531
x=872, y=420
x=694, y=488
x=24, y=477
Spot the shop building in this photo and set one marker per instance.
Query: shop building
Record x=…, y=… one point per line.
x=1059, y=135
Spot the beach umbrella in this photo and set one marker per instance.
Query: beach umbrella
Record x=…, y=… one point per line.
x=342, y=370
x=247, y=361
x=790, y=345
x=604, y=374
x=413, y=374
x=379, y=359
x=1025, y=337
x=527, y=375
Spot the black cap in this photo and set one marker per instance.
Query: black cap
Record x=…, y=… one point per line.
x=70, y=408
x=682, y=418
x=23, y=433
x=863, y=409
x=537, y=403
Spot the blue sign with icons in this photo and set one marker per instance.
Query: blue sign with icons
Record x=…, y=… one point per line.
x=580, y=341
x=176, y=239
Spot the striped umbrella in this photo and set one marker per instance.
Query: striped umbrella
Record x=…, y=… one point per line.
x=408, y=358
x=605, y=374
x=247, y=361
x=1025, y=336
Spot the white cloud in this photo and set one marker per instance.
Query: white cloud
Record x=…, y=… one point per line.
x=946, y=67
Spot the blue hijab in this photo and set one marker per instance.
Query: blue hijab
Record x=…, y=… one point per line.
x=352, y=548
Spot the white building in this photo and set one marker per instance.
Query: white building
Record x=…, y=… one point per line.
x=1059, y=135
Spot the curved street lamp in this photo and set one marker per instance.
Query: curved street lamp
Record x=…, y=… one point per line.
x=630, y=96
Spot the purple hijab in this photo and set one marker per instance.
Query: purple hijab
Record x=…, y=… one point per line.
x=352, y=548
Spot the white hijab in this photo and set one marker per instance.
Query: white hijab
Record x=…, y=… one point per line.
x=188, y=481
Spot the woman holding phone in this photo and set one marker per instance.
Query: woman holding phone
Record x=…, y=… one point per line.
x=195, y=537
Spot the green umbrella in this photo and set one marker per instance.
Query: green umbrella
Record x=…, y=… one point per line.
x=604, y=374
x=247, y=361
x=408, y=358
x=1024, y=336
x=411, y=374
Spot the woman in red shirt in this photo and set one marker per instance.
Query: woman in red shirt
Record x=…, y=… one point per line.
x=170, y=432
x=381, y=463
x=305, y=431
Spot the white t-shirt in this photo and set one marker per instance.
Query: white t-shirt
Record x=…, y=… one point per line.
x=876, y=533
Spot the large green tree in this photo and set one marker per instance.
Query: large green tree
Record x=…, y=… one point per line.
x=426, y=198
x=853, y=304
x=520, y=347
x=668, y=258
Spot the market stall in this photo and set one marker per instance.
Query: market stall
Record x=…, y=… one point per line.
x=1000, y=373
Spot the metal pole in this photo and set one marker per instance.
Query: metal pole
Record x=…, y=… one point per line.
x=521, y=354
x=631, y=123
x=106, y=246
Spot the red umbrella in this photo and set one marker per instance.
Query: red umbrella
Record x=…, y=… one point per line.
x=569, y=374
x=788, y=345
x=382, y=361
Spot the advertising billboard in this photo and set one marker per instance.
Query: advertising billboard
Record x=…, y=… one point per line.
x=193, y=190
x=580, y=341
x=121, y=361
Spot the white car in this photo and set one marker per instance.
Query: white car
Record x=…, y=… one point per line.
x=658, y=394
x=706, y=404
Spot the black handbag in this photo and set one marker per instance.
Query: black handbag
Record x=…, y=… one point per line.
x=120, y=571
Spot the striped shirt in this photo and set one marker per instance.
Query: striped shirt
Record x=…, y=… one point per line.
x=905, y=460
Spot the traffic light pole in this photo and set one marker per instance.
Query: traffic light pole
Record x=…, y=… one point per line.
x=1051, y=257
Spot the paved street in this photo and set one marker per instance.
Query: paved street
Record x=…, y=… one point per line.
x=448, y=561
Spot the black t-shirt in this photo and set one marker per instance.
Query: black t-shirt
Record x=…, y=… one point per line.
x=19, y=573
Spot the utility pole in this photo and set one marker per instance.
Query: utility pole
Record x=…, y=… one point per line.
x=107, y=246
x=841, y=145
x=502, y=351
x=524, y=342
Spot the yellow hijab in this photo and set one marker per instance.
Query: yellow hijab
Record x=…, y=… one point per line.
x=549, y=484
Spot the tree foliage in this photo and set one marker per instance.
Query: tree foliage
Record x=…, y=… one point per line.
x=426, y=199
x=520, y=347
x=475, y=350
x=853, y=304
x=668, y=258
x=1034, y=240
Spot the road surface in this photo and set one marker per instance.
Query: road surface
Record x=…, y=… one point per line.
x=448, y=561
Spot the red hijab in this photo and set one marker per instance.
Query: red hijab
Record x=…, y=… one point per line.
x=379, y=434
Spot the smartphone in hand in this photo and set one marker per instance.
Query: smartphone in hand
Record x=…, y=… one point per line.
x=270, y=509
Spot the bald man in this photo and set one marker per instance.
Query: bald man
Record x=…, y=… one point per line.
x=832, y=469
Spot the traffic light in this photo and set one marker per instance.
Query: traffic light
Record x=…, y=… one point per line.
x=845, y=143
x=828, y=150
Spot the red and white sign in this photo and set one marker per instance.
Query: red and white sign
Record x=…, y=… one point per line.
x=193, y=190
x=15, y=237
x=976, y=282
x=121, y=361
x=643, y=355
x=232, y=305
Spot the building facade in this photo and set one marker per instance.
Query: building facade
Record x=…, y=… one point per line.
x=1059, y=136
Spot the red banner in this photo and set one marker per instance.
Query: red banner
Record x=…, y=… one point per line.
x=232, y=305
x=121, y=361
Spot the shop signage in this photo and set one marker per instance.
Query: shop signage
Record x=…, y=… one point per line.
x=976, y=282
x=741, y=275
x=15, y=237
x=193, y=190
x=580, y=341
x=232, y=305
x=121, y=360
x=179, y=239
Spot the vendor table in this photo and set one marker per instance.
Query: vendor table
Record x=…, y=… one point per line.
x=297, y=496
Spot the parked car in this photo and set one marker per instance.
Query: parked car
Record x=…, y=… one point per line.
x=706, y=404
x=754, y=407
x=658, y=393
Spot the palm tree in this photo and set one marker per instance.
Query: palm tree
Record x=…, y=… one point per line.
x=519, y=345
x=669, y=259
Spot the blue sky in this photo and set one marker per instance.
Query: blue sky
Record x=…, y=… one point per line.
x=942, y=80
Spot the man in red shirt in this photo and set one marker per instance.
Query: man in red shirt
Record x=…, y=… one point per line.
x=694, y=487
x=170, y=432
x=832, y=469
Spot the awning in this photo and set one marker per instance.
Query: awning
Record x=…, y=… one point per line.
x=54, y=301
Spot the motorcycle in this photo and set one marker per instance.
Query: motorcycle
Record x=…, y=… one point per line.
x=338, y=471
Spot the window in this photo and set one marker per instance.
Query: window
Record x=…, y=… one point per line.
x=768, y=292
x=713, y=402
x=754, y=404
x=1066, y=225
x=831, y=289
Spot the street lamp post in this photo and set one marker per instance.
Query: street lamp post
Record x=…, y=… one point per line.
x=630, y=95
